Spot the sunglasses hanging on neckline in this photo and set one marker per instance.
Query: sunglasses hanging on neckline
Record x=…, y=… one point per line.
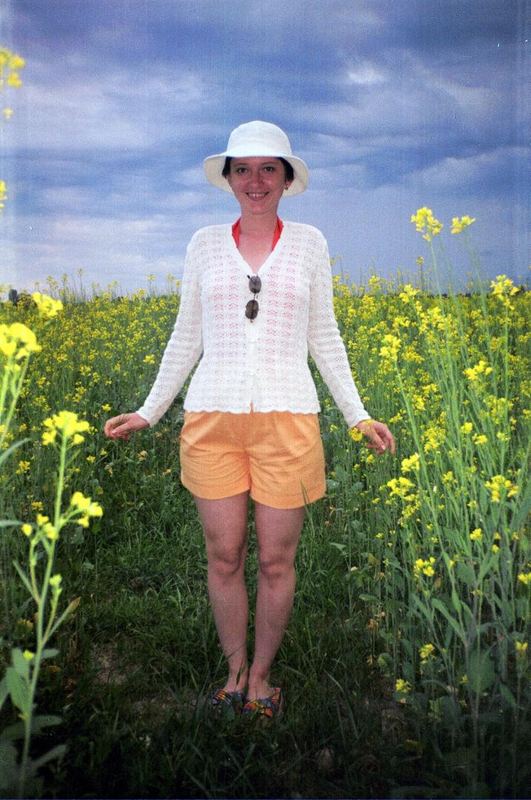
x=252, y=307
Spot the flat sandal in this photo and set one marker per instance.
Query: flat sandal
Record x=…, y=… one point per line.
x=268, y=707
x=223, y=700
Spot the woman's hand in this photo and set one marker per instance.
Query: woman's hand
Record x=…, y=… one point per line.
x=379, y=436
x=122, y=426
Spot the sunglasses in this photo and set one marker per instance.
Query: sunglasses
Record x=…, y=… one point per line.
x=251, y=309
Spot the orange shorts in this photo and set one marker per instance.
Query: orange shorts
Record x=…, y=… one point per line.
x=277, y=456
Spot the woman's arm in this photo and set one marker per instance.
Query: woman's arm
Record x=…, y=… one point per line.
x=326, y=345
x=183, y=349
x=181, y=353
x=329, y=353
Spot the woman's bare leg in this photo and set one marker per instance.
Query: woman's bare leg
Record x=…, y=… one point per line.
x=278, y=533
x=225, y=527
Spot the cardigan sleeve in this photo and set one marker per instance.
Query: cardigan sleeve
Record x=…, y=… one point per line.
x=184, y=346
x=326, y=345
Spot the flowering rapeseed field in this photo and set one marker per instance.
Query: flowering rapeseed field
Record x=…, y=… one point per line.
x=431, y=545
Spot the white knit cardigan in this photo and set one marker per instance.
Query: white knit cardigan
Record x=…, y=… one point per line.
x=259, y=365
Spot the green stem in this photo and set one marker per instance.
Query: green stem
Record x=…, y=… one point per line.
x=17, y=388
x=43, y=632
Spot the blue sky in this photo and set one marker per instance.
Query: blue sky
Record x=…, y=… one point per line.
x=394, y=104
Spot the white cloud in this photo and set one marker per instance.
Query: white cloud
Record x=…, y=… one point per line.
x=105, y=108
x=462, y=173
x=366, y=74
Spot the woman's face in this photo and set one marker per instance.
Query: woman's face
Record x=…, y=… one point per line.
x=258, y=183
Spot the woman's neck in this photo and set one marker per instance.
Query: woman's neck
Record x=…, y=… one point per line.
x=258, y=227
x=256, y=244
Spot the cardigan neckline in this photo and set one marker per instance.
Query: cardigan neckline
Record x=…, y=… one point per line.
x=266, y=265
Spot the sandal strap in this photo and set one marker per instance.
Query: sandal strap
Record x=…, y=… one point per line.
x=224, y=698
x=265, y=706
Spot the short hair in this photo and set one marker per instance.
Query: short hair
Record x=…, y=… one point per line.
x=288, y=169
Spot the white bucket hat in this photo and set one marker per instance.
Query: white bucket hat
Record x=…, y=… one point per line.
x=257, y=139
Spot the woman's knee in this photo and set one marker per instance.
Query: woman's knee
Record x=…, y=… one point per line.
x=276, y=566
x=226, y=562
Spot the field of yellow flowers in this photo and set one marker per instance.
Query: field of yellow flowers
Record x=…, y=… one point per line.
x=409, y=633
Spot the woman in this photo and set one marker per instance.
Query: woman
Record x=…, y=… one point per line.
x=256, y=297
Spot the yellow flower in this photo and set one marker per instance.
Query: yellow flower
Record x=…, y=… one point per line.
x=47, y=306
x=400, y=487
x=424, y=567
x=476, y=535
x=390, y=347
x=411, y=464
x=50, y=531
x=26, y=529
x=65, y=423
x=426, y=223
x=434, y=436
x=13, y=80
x=525, y=578
x=17, y=341
x=500, y=486
x=426, y=651
x=402, y=686
x=408, y=293
x=480, y=439
x=15, y=61
x=466, y=427
x=355, y=434
x=86, y=507
x=481, y=368
x=521, y=648
x=502, y=289
x=460, y=223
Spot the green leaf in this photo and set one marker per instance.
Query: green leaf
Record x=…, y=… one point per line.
x=55, y=752
x=23, y=577
x=456, y=602
x=4, y=691
x=9, y=523
x=50, y=652
x=466, y=573
x=508, y=696
x=341, y=547
x=20, y=664
x=44, y=721
x=18, y=690
x=369, y=598
x=72, y=606
x=480, y=671
x=451, y=620
x=524, y=509
x=486, y=566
